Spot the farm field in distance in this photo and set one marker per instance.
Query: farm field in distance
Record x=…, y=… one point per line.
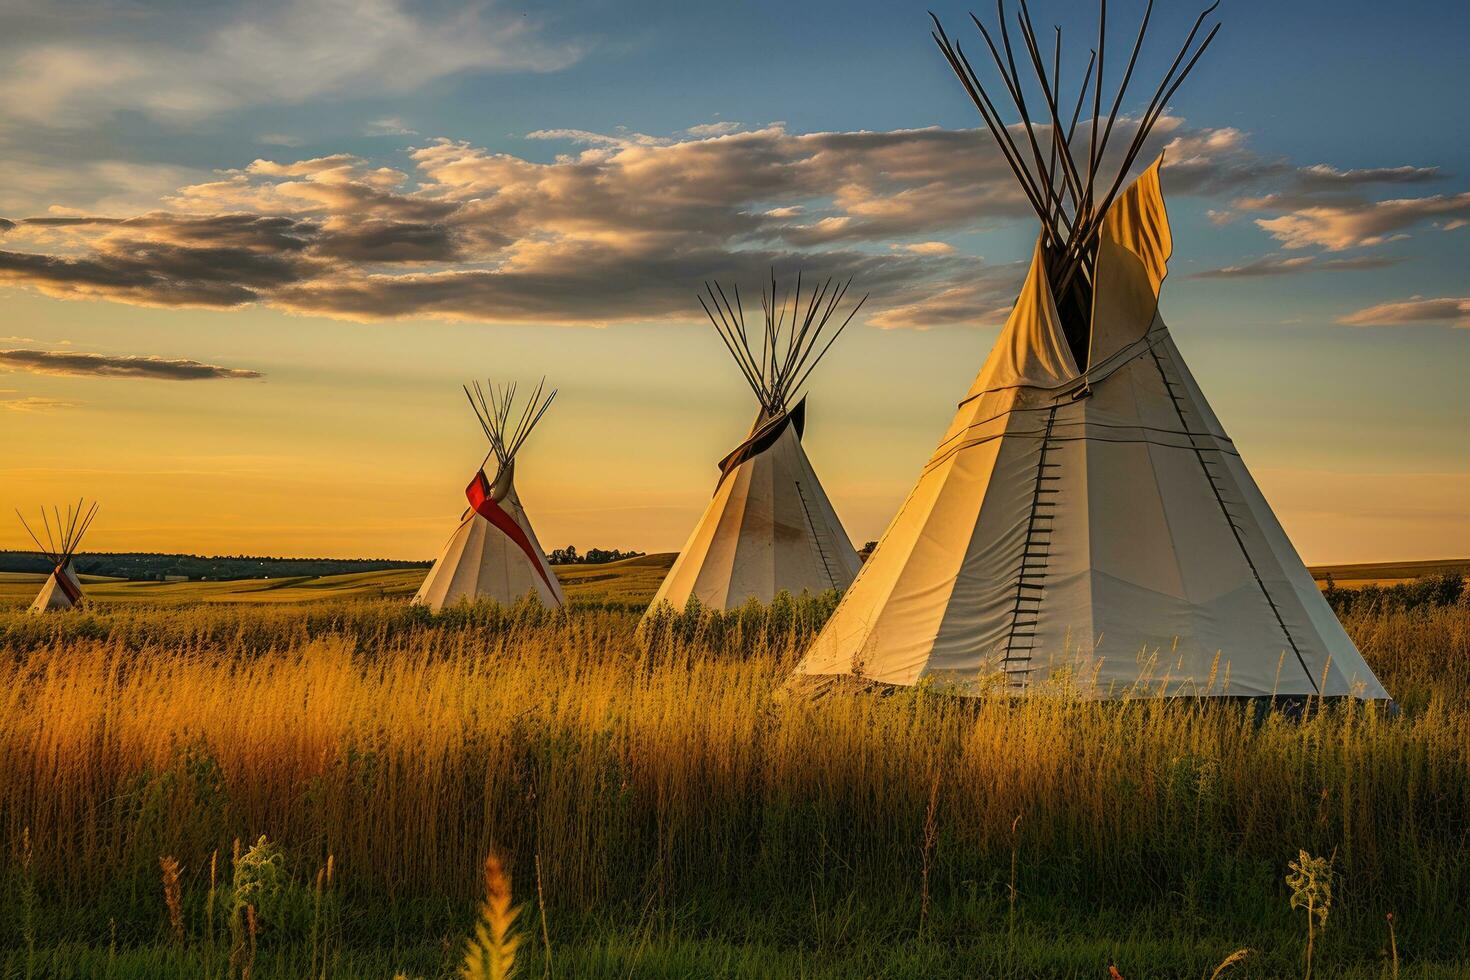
x=664, y=811
x=632, y=580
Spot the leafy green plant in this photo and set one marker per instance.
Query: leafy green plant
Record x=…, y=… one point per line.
x=1310, y=882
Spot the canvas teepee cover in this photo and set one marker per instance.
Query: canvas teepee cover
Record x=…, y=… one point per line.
x=62, y=589
x=494, y=554
x=1095, y=527
x=769, y=526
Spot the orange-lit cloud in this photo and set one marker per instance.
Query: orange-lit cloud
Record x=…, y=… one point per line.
x=1454, y=311
x=1342, y=226
x=1277, y=265
x=619, y=230
x=33, y=403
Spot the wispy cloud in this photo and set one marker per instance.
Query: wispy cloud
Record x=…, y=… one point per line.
x=80, y=364
x=280, y=139
x=388, y=126
x=985, y=297
x=928, y=248
x=584, y=137
x=1453, y=311
x=1277, y=265
x=286, y=52
x=721, y=128
x=1325, y=176
x=100, y=186
x=35, y=403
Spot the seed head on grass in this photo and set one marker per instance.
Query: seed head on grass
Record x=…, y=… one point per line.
x=1393, y=944
x=490, y=954
x=1228, y=962
x=171, y=896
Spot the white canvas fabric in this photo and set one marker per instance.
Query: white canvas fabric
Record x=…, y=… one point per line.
x=1092, y=531
x=768, y=528
x=480, y=561
x=52, y=597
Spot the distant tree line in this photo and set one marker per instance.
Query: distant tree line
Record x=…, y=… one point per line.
x=1429, y=590
x=594, y=556
x=146, y=566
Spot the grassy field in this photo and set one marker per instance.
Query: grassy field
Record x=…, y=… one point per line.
x=664, y=813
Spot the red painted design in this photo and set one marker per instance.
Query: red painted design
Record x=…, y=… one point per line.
x=478, y=494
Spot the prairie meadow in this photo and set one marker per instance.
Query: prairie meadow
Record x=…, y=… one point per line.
x=312, y=790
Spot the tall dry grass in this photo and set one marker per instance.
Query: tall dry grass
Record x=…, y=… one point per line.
x=659, y=785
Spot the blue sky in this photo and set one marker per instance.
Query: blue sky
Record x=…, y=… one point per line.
x=600, y=159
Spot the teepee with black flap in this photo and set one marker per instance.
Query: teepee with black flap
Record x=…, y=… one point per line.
x=1086, y=524
x=769, y=526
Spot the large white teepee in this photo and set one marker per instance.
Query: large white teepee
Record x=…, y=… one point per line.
x=494, y=554
x=1090, y=530
x=62, y=589
x=769, y=526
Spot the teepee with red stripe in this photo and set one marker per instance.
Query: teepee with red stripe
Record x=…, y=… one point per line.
x=493, y=554
x=63, y=590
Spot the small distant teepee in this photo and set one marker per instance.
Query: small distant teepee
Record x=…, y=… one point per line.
x=494, y=554
x=769, y=526
x=63, y=590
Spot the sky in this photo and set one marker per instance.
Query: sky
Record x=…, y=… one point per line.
x=249, y=253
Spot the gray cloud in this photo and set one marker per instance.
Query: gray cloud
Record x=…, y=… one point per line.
x=596, y=285
x=986, y=295
x=154, y=274
x=84, y=365
x=388, y=126
x=376, y=240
